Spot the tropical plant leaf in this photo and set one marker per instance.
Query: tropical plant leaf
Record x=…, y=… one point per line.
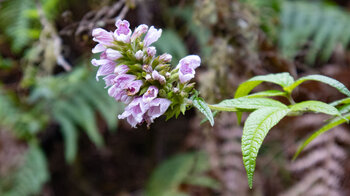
x=268, y=93
x=315, y=106
x=255, y=129
x=204, y=109
x=243, y=103
x=335, y=122
x=320, y=78
x=340, y=102
x=282, y=79
x=344, y=109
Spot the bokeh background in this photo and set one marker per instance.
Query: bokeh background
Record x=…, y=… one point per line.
x=59, y=132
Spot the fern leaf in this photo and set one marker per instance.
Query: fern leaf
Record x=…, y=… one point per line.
x=31, y=176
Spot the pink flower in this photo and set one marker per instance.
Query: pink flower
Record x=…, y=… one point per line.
x=150, y=94
x=134, y=87
x=157, y=76
x=140, y=30
x=151, y=51
x=152, y=36
x=113, y=54
x=109, y=80
x=157, y=107
x=134, y=112
x=187, y=66
x=122, y=80
x=165, y=58
x=122, y=33
x=106, y=67
x=121, y=69
x=102, y=36
x=98, y=48
x=122, y=27
x=124, y=87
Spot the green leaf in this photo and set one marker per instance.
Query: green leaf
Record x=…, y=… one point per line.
x=70, y=136
x=320, y=78
x=203, y=181
x=282, y=79
x=88, y=121
x=268, y=93
x=174, y=170
x=344, y=109
x=255, y=129
x=206, y=119
x=341, y=101
x=315, y=106
x=31, y=175
x=243, y=103
x=204, y=109
x=335, y=122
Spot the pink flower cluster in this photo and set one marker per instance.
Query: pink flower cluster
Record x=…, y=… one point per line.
x=137, y=77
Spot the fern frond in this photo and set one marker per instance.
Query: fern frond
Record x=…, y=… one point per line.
x=73, y=99
x=23, y=123
x=322, y=27
x=15, y=22
x=30, y=176
x=321, y=167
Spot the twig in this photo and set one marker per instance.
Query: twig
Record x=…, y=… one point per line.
x=50, y=29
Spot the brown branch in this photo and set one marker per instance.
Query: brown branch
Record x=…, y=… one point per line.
x=51, y=30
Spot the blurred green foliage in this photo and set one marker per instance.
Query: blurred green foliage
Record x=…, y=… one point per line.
x=186, y=168
x=75, y=102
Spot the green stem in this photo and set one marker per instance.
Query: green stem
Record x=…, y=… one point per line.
x=290, y=98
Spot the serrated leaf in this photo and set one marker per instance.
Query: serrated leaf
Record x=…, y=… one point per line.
x=282, y=79
x=204, y=109
x=268, y=93
x=335, y=122
x=243, y=103
x=315, y=106
x=206, y=119
x=320, y=78
x=255, y=129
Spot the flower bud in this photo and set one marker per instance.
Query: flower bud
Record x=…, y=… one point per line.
x=165, y=58
x=187, y=67
x=102, y=36
x=151, y=51
x=157, y=76
x=140, y=30
x=152, y=36
x=139, y=55
x=148, y=77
